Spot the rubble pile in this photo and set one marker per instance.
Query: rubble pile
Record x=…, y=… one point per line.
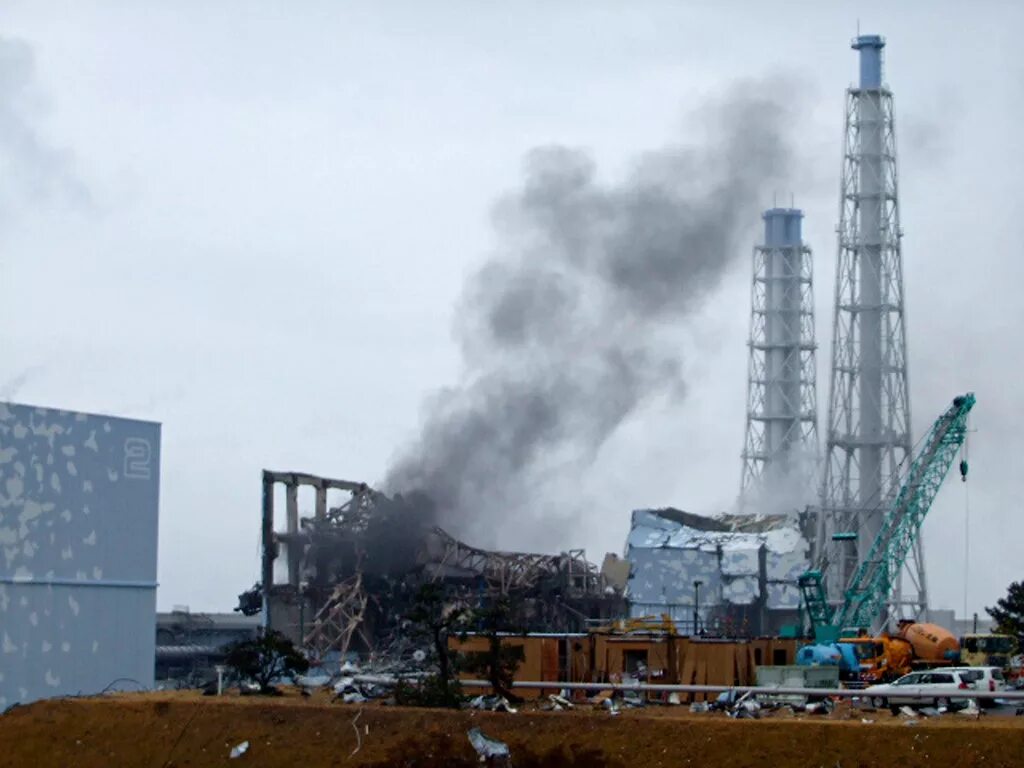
x=354, y=571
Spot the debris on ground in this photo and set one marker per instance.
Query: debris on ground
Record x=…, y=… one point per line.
x=700, y=706
x=238, y=750
x=906, y=711
x=633, y=699
x=559, y=703
x=611, y=706
x=492, y=704
x=822, y=707
x=492, y=752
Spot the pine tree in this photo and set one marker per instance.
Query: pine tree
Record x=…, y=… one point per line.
x=1008, y=612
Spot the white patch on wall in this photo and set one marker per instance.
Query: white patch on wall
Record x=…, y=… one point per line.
x=73, y=604
x=28, y=549
x=20, y=431
x=52, y=680
x=97, y=572
x=7, y=455
x=91, y=442
x=90, y=540
x=66, y=514
x=8, y=644
x=33, y=619
x=72, y=469
x=87, y=486
x=55, y=482
x=15, y=487
x=65, y=647
x=47, y=645
x=66, y=553
x=95, y=646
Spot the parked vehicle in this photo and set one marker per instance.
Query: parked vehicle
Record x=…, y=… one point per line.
x=984, y=679
x=915, y=646
x=988, y=650
x=938, y=688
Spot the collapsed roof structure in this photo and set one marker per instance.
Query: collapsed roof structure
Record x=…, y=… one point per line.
x=343, y=578
x=730, y=574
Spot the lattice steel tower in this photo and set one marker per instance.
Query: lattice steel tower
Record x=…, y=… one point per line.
x=868, y=410
x=781, y=445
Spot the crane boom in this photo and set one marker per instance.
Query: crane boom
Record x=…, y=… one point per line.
x=873, y=581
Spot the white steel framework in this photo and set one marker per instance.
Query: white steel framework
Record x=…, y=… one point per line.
x=781, y=446
x=868, y=438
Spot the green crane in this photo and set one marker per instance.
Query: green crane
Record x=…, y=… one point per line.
x=873, y=581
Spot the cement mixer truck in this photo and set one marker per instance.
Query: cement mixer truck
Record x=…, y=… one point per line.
x=870, y=660
x=913, y=646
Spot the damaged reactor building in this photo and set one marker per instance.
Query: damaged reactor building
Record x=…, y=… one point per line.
x=344, y=577
x=732, y=575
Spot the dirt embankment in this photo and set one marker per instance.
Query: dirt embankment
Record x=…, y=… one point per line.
x=188, y=730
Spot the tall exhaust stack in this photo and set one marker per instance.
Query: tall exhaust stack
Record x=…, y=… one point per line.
x=869, y=410
x=782, y=411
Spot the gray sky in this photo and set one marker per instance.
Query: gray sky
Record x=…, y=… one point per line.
x=253, y=225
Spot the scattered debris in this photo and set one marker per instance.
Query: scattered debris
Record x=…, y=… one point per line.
x=492, y=704
x=700, y=706
x=558, y=703
x=822, y=707
x=238, y=750
x=906, y=711
x=931, y=711
x=611, y=706
x=673, y=698
x=866, y=720
x=359, y=739
x=491, y=751
x=972, y=709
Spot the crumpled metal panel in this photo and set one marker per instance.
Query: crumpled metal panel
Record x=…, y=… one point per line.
x=785, y=566
x=668, y=556
x=665, y=576
x=743, y=590
x=741, y=556
x=782, y=596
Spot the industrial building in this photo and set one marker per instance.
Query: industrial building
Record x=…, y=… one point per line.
x=79, y=497
x=343, y=578
x=190, y=645
x=732, y=575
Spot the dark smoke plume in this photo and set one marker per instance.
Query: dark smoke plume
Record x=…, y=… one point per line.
x=565, y=330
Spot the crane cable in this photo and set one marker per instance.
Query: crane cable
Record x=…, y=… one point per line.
x=964, y=455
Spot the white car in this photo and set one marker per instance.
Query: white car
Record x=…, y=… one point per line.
x=984, y=678
x=935, y=687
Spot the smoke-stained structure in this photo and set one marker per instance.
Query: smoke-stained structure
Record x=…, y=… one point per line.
x=567, y=328
x=782, y=404
x=869, y=409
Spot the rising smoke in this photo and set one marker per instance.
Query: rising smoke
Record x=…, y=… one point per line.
x=565, y=331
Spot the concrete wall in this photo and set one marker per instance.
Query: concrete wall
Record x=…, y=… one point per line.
x=78, y=547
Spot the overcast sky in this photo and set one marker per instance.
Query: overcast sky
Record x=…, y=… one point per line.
x=252, y=223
